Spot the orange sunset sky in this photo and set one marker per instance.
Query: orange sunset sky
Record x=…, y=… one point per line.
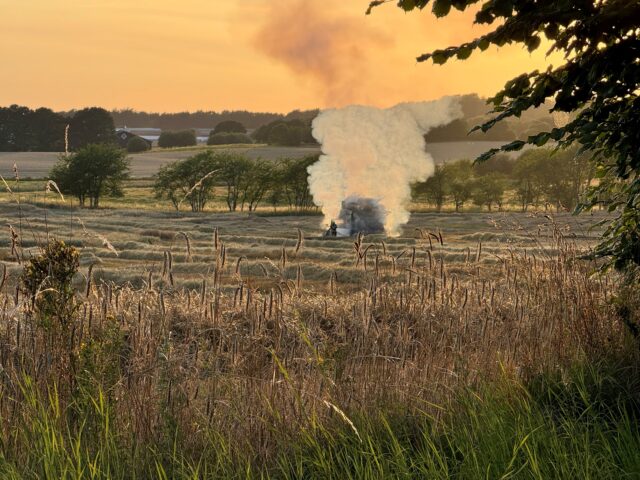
x=261, y=55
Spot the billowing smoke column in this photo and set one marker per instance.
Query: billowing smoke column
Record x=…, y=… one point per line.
x=375, y=154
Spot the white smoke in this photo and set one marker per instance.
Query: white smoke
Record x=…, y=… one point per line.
x=375, y=153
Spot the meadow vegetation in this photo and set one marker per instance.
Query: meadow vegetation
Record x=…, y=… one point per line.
x=228, y=346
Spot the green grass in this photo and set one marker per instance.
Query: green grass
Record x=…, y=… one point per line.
x=583, y=425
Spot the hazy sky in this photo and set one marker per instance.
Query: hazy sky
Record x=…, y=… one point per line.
x=266, y=55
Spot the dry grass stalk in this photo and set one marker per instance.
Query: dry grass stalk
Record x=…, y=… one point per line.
x=105, y=241
x=51, y=183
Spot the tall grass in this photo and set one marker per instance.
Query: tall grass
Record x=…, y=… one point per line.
x=433, y=370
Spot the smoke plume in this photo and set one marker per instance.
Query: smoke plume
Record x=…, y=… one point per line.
x=319, y=41
x=375, y=154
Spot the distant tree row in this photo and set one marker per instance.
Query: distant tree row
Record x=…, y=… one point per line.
x=246, y=182
x=43, y=130
x=200, y=119
x=537, y=177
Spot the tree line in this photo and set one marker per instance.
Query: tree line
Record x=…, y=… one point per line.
x=199, y=119
x=290, y=133
x=538, y=177
x=43, y=130
x=246, y=182
x=23, y=129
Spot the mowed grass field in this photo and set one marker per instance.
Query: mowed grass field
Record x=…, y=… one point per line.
x=140, y=239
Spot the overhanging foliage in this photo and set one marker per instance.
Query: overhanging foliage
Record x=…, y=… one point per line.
x=598, y=83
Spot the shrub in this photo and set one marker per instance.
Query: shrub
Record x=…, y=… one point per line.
x=46, y=279
x=285, y=135
x=184, y=138
x=229, y=126
x=228, y=138
x=285, y=132
x=137, y=144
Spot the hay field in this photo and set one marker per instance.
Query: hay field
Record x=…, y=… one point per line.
x=141, y=239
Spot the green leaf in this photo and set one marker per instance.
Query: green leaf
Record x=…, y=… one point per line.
x=533, y=43
x=541, y=139
x=441, y=8
x=464, y=52
x=439, y=57
x=483, y=44
x=407, y=5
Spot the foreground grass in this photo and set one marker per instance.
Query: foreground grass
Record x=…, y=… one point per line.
x=415, y=357
x=581, y=426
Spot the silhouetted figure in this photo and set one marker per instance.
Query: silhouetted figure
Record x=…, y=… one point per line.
x=333, y=230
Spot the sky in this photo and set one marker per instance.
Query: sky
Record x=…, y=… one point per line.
x=259, y=55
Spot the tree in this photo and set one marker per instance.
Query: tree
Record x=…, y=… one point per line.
x=137, y=144
x=460, y=176
x=599, y=80
x=287, y=135
x=435, y=188
x=48, y=130
x=500, y=163
x=25, y=130
x=184, y=138
x=229, y=126
x=260, y=180
x=192, y=180
x=290, y=132
x=93, y=171
x=489, y=190
x=565, y=175
x=291, y=182
x=90, y=126
x=528, y=177
x=235, y=171
x=15, y=132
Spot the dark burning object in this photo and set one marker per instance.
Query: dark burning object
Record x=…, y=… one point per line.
x=358, y=215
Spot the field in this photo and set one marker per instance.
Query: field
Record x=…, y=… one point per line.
x=140, y=239
x=219, y=345
x=143, y=165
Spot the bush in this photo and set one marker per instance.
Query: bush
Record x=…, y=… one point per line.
x=46, y=279
x=285, y=135
x=228, y=138
x=230, y=126
x=137, y=144
x=184, y=138
x=285, y=132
